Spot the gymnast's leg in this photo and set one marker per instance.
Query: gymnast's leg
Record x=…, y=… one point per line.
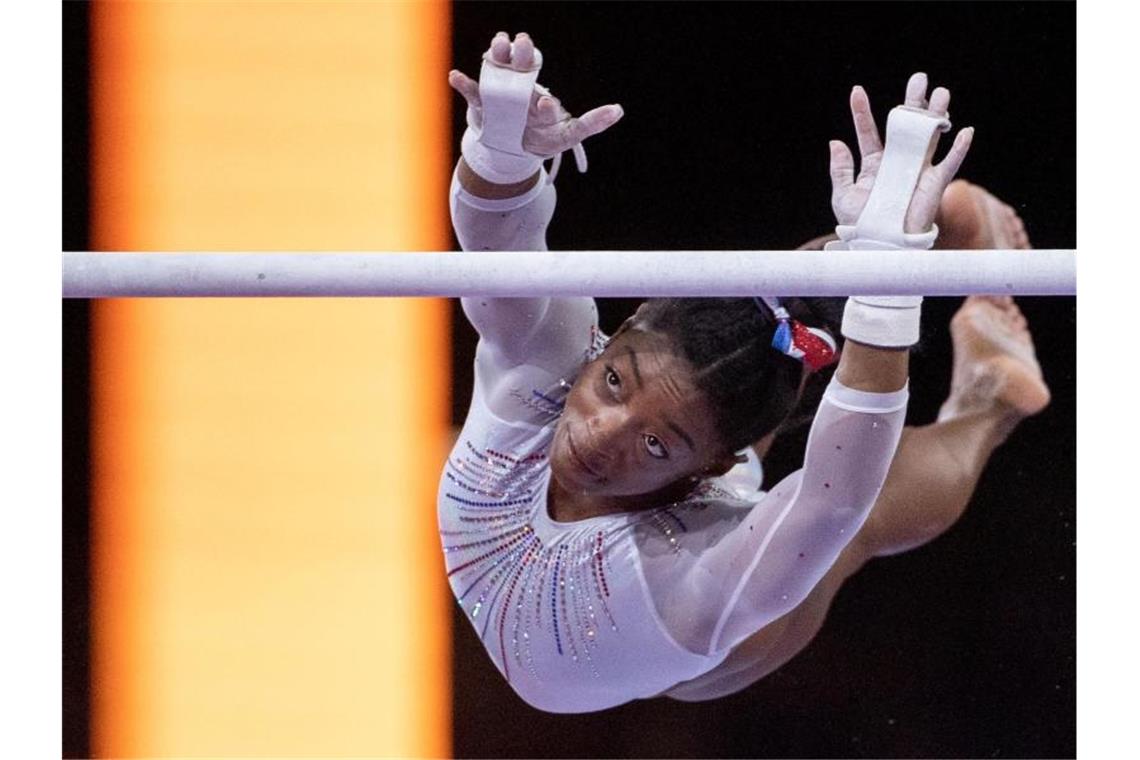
x=996, y=382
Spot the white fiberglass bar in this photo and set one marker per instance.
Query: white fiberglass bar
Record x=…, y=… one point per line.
x=568, y=273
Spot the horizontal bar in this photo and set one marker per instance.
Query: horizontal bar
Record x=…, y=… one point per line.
x=571, y=273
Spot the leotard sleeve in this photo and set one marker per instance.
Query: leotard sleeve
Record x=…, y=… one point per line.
x=521, y=340
x=743, y=577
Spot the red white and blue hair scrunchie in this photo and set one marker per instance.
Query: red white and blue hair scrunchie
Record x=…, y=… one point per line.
x=811, y=345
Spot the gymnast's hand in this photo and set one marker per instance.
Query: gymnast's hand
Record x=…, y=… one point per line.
x=550, y=129
x=849, y=193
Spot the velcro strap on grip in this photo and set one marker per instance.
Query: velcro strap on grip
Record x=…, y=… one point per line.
x=505, y=93
x=912, y=134
x=494, y=149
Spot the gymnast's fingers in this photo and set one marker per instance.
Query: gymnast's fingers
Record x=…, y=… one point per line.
x=523, y=58
x=948, y=167
x=548, y=108
x=465, y=86
x=841, y=166
x=501, y=48
x=939, y=101
x=866, y=131
x=594, y=121
x=916, y=90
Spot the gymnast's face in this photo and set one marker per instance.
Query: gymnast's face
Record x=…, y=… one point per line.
x=634, y=422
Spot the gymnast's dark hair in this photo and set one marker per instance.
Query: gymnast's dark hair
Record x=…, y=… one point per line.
x=752, y=387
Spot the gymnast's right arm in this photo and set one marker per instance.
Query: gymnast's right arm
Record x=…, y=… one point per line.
x=502, y=198
x=508, y=222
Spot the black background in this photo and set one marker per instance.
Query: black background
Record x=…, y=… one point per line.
x=964, y=648
x=75, y=596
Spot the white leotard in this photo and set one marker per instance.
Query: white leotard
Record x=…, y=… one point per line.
x=590, y=614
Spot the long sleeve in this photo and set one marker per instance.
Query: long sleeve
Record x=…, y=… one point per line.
x=545, y=339
x=764, y=566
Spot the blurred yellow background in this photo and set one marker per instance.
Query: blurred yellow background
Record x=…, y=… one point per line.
x=267, y=573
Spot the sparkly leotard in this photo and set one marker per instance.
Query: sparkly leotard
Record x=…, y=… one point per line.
x=590, y=614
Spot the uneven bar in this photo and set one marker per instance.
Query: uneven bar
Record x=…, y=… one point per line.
x=570, y=273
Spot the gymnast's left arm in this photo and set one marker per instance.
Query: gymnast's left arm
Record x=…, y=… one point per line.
x=768, y=564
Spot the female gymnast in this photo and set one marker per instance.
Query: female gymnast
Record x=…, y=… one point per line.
x=600, y=512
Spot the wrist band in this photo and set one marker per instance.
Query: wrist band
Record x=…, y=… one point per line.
x=883, y=321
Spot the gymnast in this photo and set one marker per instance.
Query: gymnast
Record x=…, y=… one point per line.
x=600, y=512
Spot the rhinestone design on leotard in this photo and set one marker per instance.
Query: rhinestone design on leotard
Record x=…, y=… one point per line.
x=547, y=408
x=513, y=585
x=521, y=592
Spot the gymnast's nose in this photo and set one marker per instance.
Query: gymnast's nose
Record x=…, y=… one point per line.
x=606, y=429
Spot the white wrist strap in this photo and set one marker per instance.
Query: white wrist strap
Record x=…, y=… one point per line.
x=884, y=321
x=887, y=321
x=495, y=152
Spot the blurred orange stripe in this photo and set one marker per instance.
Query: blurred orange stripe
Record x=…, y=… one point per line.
x=267, y=571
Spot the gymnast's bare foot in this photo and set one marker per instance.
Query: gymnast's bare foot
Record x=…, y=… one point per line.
x=995, y=366
x=970, y=218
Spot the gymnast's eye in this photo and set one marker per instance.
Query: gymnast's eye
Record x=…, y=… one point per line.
x=655, y=448
x=613, y=380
